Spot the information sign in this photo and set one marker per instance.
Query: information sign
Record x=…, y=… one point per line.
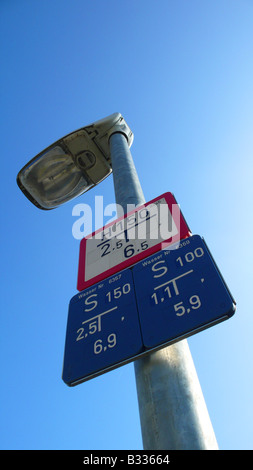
x=169, y=296
x=138, y=234
x=103, y=329
x=180, y=292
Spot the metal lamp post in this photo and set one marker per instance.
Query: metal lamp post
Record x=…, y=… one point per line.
x=172, y=409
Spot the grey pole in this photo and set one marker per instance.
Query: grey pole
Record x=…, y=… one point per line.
x=172, y=408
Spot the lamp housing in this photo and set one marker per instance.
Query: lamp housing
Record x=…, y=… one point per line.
x=72, y=165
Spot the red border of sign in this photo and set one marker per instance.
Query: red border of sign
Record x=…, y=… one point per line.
x=183, y=233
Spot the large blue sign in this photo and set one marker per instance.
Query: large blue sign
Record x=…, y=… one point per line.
x=179, y=292
x=166, y=297
x=103, y=329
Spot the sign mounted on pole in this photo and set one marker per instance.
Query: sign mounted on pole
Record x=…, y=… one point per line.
x=170, y=295
x=180, y=292
x=125, y=241
x=103, y=329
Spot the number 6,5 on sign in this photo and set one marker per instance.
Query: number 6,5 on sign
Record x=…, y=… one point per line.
x=129, y=239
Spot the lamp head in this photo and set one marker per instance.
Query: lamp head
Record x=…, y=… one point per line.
x=72, y=165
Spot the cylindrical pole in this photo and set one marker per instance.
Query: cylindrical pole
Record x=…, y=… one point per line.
x=172, y=408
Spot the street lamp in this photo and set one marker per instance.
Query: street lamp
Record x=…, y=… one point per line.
x=172, y=408
x=72, y=165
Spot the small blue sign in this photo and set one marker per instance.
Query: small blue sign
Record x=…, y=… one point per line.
x=180, y=292
x=103, y=329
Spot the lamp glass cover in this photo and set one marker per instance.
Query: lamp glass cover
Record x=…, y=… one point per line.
x=53, y=178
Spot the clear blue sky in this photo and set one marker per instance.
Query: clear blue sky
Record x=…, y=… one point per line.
x=181, y=74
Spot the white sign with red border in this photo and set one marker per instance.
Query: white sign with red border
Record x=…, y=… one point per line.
x=125, y=241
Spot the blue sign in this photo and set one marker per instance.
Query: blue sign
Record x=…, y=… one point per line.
x=103, y=329
x=179, y=292
x=166, y=297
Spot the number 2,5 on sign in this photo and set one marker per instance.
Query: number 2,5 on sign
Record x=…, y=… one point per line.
x=93, y=325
